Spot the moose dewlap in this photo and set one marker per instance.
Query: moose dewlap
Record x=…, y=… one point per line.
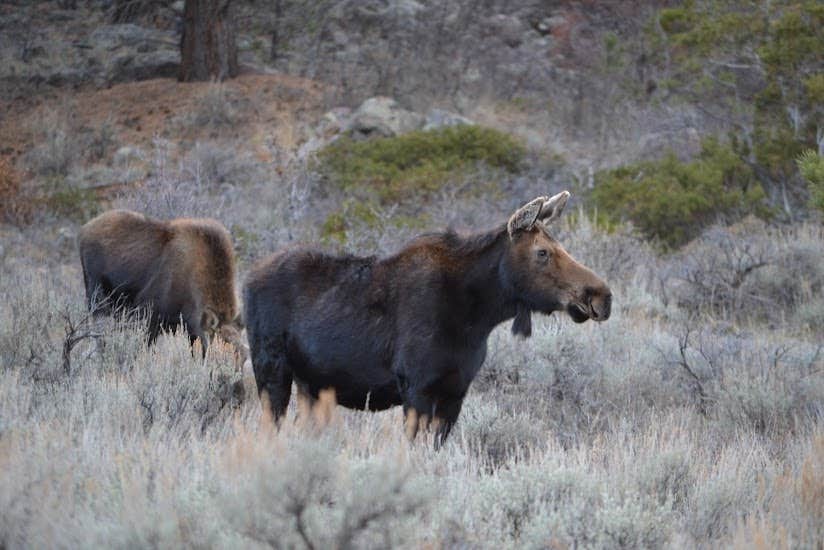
x=410, y=329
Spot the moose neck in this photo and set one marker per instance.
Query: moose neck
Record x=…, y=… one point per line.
x=488, y=298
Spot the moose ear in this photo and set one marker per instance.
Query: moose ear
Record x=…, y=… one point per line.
x=553, y=207
x=209, y=321
x=525, y=217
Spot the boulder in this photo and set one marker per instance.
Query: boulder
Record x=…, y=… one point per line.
x=126, y=155
x=127, y=35
x=438, y=118
x=334, y=122
x=142, y=66
x=379, y=11
x=130, y=52
x=549, y=24
x=506, y=28
x=382, y=116
x=405, y=8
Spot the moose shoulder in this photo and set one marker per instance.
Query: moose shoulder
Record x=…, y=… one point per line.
x=410, y=329
x=178, y=271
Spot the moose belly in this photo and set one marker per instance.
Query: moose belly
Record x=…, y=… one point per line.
x=353, y=393
x=359, y=376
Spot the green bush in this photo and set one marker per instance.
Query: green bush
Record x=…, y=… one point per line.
x=673, y=200
x=811, y=166
x=73, y=202
x=757, y=69
x=362, y=222
x=395, y=168
x=676, y=20
x=336, y=224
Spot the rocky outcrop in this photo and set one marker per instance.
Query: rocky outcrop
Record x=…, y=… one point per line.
x=63, y=48
x=382, y=116
x=438, y=118
x=375, y=117
x=129, y=52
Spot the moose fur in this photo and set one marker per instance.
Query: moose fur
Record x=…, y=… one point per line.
x=178, y=272
x=410, y=329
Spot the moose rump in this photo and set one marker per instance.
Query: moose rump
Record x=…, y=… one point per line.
x=410, y=329
x=176, y=272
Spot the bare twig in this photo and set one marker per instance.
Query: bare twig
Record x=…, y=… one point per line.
x=683, y=362
x=75, y=333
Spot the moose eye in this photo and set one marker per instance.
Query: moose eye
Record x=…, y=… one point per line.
x=542, y=254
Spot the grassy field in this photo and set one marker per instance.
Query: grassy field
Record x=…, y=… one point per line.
x=693, y=417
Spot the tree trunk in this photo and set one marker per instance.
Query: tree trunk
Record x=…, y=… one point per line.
x=276, y=31
x=207, y=48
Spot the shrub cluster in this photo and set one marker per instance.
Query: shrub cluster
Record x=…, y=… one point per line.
x=758, y=70
x=671, y=200
x=752, y=272
x=811, y=166
x=420, y=162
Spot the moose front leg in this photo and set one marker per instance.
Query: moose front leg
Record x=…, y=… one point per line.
x=436, y=414
x=432, y=388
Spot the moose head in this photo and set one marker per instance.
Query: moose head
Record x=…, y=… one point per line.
x=543, y=276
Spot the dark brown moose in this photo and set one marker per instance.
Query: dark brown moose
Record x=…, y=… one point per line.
x=410, y=329
x=177, y=272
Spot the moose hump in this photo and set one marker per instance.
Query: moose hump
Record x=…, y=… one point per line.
x=178, y=271
x=410, y=329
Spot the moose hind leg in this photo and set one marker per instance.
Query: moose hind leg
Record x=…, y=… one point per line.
x=273, y=375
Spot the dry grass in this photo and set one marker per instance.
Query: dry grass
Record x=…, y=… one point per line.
x=593, y=436
x=15, y=207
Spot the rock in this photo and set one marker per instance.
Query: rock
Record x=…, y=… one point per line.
x=554, y=22
x=310, y=146
x=126, y=155
x=130, y=52
x=506, y=28
x=340, y=38
x=540, y=43
x=438, y=118
x=66, y=237
x=335, y=121
x=405, y=8
x=382, y=116
x=63, y=76
x=142, y=66
x=377, y=11
x=66, y=232
x=127, y=35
